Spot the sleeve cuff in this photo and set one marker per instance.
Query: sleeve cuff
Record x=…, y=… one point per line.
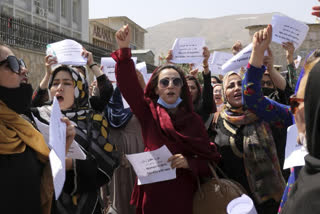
x=121, y=54
x=254, y=72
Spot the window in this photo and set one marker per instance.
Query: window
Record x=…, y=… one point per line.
x=51, y=6
x=75, y=10
x=63, y=8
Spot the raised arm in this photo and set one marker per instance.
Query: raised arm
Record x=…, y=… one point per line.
x=293, y=77
x=40, y=95
x=126, y=76
x=253, y=99
x=209, y=105
x=278, y=80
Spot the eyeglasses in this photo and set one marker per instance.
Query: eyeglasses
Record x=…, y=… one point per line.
x=267, y=83
x=294, y=103
x=13, y=63
x=177, y=82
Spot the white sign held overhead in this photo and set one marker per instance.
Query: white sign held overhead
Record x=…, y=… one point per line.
x=238, y=61
x=109, y=65
x=285, y=29
x=188, y=50
x=294, y=153
x=142, y=68
x=152, y=166
x=67, y=52
x=218, y=59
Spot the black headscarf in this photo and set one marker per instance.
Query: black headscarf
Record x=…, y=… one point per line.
x=304, y=196
x=312, y=111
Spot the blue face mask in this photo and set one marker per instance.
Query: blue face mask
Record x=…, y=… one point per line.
x=169, y=106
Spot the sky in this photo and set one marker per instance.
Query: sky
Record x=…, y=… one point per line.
x=148, y=13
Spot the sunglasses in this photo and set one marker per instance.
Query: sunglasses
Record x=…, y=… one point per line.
x=294, y=103
x=14, y=64
x=177, y=82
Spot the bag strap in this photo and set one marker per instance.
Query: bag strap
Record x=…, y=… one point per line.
x=219, y=169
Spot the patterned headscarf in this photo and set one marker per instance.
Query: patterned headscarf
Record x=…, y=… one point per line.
x=91, y=126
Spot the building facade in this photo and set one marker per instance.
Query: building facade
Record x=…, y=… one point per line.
x=102, y=35
x=311, y=42
x=110, y=25
x=69, y=17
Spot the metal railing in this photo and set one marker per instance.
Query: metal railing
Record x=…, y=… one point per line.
x=21, y=34
x=18, y=33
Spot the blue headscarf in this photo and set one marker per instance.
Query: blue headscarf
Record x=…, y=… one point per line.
x=117, y=115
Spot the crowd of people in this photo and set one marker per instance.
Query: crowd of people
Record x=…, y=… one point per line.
x=237, y=121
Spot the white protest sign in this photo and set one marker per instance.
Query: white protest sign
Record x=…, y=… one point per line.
x=285, y=29
x=75, y=152
x=188, y=50
x=241, y=59
x=109, y=65
x=67, y=52
x=297, y=62
x=148, y=76
x=142, y=67
x=152, y=166
x=219, y=59
x=294, y=153
x=57, y=141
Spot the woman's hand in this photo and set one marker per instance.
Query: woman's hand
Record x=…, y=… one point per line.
x=178, y=161
x=316, y=10
x=206, y=55
x=169, y=56
x=49, y=61
x=70, y=132
x=289, y=47
x=123, y=37
x=268, y=60
x=261, y=41
x=88, y=55
x=300, y=121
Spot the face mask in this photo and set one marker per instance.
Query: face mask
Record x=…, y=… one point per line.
x=17, y=99
x=169, y=106
x=267, y=91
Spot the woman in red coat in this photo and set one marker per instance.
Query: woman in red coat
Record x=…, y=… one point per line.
x=167, y=118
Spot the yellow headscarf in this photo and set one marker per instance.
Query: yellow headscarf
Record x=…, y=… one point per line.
x=16, y=133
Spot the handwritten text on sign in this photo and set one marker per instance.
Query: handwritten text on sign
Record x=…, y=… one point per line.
x=188, y=50
x=286, y=29
x=152, y=166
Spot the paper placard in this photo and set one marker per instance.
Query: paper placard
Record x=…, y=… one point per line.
x=67, y=52
x=286, y=29
x=75, y=152
x=294, y=153
x=142, y=68
x=109, y=65
x=152, y=166
x=188, y=50
x=57, y=141
x=239, y=60
x=219, y=59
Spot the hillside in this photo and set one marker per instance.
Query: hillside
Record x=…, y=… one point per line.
x=220, y=33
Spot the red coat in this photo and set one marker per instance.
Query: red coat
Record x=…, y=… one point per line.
x=173, y=196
